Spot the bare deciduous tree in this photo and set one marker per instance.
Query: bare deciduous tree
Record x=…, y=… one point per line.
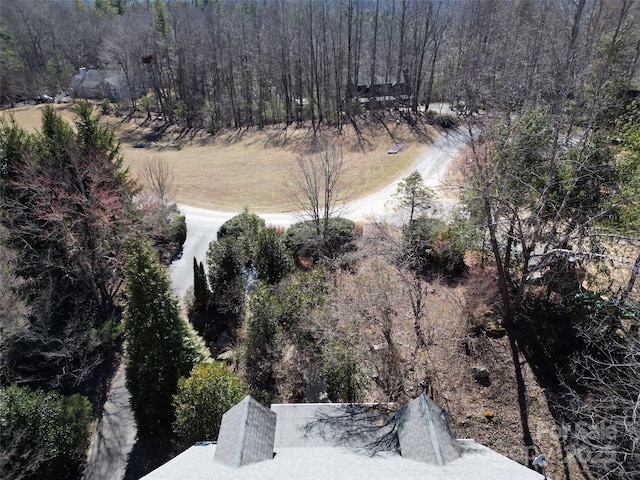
x=13, y=310
x=545, y=188
x=157, y=176
x=602, y=402
x=316, y=187
x=381, y=310
x=161, y=218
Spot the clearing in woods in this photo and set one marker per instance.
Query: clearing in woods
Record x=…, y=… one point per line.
x=253, y=167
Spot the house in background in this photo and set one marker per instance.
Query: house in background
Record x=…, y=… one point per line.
x=99, y=84
x=339, y=442
x=383, y=92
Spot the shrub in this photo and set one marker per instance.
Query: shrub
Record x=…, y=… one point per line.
x=43, y=435
x=282, y=345
x=302, y=239
x=299, y=295
x=443, y=120
x=178, y=228
x=264, y=341
x=446, y=121
x=432, y=245
x=225, y=263
x=105, y=106
x=244, y=228
x=243, y=224
x=343, y=377
x=202, y=399
x=273, y=260
x=165, y=225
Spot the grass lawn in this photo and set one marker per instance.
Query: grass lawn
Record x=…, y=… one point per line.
x=253, y=167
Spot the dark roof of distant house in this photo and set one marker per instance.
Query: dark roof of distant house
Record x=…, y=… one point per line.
x=99, y=82
x=93, y=78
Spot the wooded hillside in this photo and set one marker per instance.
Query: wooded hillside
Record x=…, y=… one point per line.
x=222, y=63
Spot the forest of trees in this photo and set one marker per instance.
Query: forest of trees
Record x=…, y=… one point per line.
x=67, y=206
x=231, y=63
x=227, y=63
x=547, y=91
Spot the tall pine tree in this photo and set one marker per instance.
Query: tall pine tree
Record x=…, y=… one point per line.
x=67, y=208
x=158, y=352
x=200, y=288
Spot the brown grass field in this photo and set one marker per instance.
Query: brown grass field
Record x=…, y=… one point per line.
x=253, y=167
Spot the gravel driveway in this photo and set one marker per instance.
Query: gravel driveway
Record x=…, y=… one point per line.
x=202, y=224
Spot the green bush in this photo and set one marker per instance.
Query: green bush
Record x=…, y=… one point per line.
x=178, y=229
x=243, y=224
x=202, y=399
x=446, y=121
x=264, y=341
x=344, y=379
x=442, y=120
x=303, y=241
x=105, y=106
x=432, y=245
x=280, y=316
x=298, y=296
x=244, y=228
x=44, y=435
x=273, y=260
x=226, y=264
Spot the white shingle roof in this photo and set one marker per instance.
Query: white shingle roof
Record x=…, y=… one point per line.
x=314, y=425
x=331, y=463
x=340, y=441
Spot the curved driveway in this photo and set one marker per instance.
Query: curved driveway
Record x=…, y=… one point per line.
x=202, y=225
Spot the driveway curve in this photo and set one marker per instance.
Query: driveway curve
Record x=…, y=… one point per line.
x=202, y=224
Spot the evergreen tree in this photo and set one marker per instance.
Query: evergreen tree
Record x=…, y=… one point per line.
x=226, y=268
x=161, y=21
x=111, y=7
x=344, y=377
x=413, y=194
x=264, y=342
x=200, y=288
x=158, y=352
x=273, y=260
x=68, y=208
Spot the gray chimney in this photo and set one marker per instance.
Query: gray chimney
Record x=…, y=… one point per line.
x=246, y=435
x=425, y=433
